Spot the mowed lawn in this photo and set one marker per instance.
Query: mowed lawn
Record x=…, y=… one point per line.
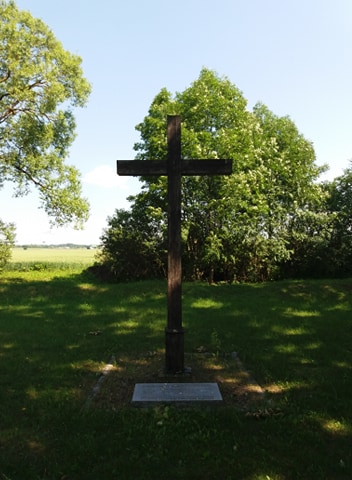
x=59, y=328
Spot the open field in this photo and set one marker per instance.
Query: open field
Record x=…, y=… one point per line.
x=58, y=330
x=51, y=258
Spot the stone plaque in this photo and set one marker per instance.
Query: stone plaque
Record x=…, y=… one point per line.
x=148, y=393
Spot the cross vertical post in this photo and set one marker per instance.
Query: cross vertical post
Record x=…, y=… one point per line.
x=174, y=332
x=173, y=167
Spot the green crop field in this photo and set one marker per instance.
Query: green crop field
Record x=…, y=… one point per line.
x=32, y=258
x=65, y=255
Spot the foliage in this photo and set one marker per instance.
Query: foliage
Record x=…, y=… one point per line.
x=40, y=82
x=322, y=238
x=7, y=241
x=233, y=228
x=133, y=248
x=340, y=205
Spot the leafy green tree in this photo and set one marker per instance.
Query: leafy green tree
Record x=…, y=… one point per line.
x=237, y=226
x=280, y=185
x=340, y=205
x=310, y=233
x=133, y=249
x=215, y=123
x=40, y=82
x=7, y=240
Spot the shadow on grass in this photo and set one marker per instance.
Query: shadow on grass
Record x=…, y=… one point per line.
x=284, y=329
x=53, y=333
x=56, y=334
x=295, y=338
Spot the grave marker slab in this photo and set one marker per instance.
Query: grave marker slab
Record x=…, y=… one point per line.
x=185, y=393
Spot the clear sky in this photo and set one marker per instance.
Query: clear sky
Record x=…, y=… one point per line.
x=294, y=56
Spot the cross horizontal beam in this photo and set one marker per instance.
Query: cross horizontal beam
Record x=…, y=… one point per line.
x=188, y=167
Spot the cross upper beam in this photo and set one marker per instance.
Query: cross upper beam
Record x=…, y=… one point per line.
x=188, y=167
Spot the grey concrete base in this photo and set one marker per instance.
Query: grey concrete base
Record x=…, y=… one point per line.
x=184, y=393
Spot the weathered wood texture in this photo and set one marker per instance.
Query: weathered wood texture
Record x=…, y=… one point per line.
x=174, y=168
x=188, y=167
x=174, y=351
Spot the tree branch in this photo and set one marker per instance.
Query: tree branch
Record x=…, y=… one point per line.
x=38, y=83
x=30, y=177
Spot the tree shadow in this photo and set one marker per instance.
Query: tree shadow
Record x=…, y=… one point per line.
x=294, y=338
x=52, y=332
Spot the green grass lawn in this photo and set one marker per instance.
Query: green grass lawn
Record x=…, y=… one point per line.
x=294, y=337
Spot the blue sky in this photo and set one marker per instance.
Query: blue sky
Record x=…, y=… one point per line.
x=294, y=56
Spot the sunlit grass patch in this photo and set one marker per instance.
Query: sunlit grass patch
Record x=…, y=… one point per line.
x=294, y=312
x=291, y=331
x=336, y=427
x=207, y=303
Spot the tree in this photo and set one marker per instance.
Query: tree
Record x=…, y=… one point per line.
x=40, y=82
x=215, y=123
x=133, y=249
x=236, y=227
x=7, y=240
x=339, y=203
x=279, y=187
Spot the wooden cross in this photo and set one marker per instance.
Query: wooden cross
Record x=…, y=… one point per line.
x=174, y=168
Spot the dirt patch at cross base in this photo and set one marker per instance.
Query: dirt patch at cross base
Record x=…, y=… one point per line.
x=115, y=387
